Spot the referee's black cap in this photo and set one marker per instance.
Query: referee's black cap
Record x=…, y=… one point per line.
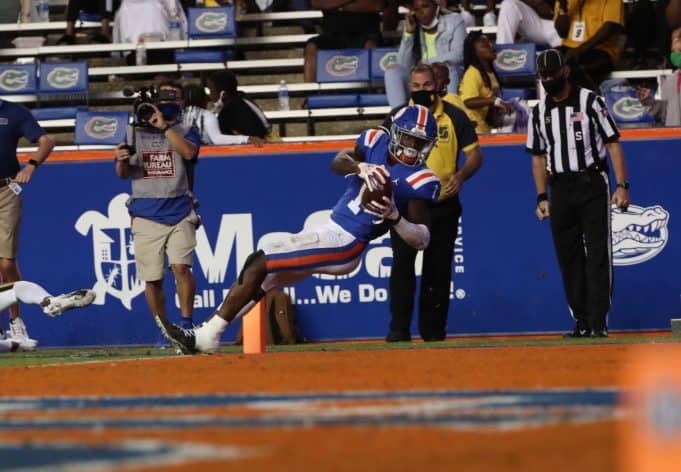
x=549, y=62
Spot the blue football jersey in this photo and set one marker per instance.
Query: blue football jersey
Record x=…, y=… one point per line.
x=409, y=183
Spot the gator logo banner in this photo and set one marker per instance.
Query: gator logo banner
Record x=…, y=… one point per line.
x=342, y=66
x=101, y=127
x=16, y=79
x=511, y=60
x=628, y=109
x=212, y=22
x=63, y=78
x=388, y=61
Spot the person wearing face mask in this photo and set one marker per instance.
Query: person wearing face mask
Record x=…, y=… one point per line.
x=479, y=87
x=670, y=87
x=159, y=158
x=568, y=134
x=456, y=133
x=429, y=36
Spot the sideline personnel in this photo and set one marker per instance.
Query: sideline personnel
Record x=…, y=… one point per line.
x=568, y=133
x=455, y=132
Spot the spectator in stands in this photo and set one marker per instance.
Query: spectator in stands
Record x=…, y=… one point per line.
x=238, y=114
x=136, y=19
x=17, y=122
x=668, y=108
x=441, y=77
x=346, y=25
x=429, y=36
x=196, y=114
x=531, y=19
x=103, y=8
x=162, y=205
x=674, y=13
x=591, y=38
x=480, y=89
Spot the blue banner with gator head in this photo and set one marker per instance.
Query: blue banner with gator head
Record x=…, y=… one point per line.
x=342, y=65
x=108, y=127
x=63, y=77
x=219, y=22
x=18, y=79
x=505, y=273
x=516, y=59
x=381, y=60
x=625, y=106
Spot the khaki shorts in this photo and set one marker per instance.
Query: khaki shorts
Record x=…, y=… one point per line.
x=10, y=216
x=153, y=241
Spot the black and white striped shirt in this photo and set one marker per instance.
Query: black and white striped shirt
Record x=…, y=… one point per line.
x=572, y=133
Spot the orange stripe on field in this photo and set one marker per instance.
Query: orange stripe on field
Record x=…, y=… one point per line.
x=315, y=259
x=292, y=148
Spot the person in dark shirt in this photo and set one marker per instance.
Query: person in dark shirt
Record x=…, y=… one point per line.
x=238, y=114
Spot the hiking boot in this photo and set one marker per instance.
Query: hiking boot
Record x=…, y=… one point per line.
x=182, y=339
x=55, y=306
x=398, y=336
x=23, y=344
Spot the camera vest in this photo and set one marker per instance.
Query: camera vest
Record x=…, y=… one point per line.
x=156, y=170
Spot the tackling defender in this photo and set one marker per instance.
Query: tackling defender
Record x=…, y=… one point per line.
x=336, y=246
x=28, y=292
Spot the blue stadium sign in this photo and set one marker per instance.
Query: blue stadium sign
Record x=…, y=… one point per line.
x=212, y=22
x=17, y=79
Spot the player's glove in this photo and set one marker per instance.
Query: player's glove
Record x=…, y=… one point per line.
x=385, y=210
x=374, y=175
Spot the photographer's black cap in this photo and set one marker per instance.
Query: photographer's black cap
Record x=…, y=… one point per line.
x=549, y=62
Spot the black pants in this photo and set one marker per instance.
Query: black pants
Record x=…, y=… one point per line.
x=435, y=278
x=580, y=224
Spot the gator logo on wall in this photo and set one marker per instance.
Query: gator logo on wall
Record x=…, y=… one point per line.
x=628, y=108
x=510, y=60
x=63, y=77
x=342, y=66
x=388, y=61
x=639, y=234
x=101, y=127
x=211, y=22
x=13, y=80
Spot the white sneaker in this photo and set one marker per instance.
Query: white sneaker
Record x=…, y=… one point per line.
x=206, y=341
x=17, y=329
x=55, y=306
x=23, y=344
x=489, y=19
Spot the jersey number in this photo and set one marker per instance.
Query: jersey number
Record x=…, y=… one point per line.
x=355, y=205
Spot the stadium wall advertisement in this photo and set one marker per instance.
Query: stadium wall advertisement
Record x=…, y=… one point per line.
x=76, y=234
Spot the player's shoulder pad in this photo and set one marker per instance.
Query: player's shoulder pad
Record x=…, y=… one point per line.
x=423, y=182
x=370, y=137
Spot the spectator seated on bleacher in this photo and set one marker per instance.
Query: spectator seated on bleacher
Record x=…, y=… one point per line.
x=668, y=108
x=136, y=19
x=531, y=19
x=197, y=114
x=237, y=113
x=345, y=25
x=591, y=32
x=479, y=88
x=429, y=36
x=99, y=9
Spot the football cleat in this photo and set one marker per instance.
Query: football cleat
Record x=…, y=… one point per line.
x=17, y=329
x=22, y=343
x=182, y=339
x=206, y=341
x=55, y=306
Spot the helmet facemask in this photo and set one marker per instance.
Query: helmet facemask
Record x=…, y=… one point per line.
x=411, y=148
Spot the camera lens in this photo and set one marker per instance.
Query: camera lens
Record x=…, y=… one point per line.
x=144, y=114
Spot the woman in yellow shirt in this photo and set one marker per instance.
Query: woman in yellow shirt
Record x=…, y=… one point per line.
x=479, y=88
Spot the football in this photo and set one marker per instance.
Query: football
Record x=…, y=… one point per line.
x=385, y=190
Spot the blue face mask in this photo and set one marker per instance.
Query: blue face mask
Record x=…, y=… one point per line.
x=169, y=110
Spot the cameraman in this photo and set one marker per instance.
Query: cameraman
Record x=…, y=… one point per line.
x=158, y=157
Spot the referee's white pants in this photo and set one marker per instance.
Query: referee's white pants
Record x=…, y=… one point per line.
x=516, y=16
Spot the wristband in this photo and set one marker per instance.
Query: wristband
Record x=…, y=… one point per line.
x=542, y=197
x=33, y=162
x=624, y=185
x=498, y=101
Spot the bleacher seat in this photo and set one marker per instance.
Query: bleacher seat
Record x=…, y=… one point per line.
x=186, y=56
x=516, y=63
x=342, y=65
x=63, y=78
x=18, y=79
x=372, y=99
x=212, y=23
x=56, y=113
x=382, y=59
x=332, y=101
x=108, y=127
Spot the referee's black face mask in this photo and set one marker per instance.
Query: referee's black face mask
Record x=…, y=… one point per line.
x=555, y=84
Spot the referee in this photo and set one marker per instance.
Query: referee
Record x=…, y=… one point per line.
x=568, y=133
